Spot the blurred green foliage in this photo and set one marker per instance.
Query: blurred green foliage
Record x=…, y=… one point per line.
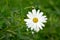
x=13, y=13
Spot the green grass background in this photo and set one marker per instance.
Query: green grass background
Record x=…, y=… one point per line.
x=13, y=13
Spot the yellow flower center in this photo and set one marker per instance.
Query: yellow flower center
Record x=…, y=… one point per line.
x=35, y=20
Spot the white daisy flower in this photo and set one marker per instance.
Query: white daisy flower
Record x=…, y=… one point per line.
x=36, y=20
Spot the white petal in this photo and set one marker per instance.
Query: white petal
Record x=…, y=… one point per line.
x=44, y=16
x=32, y=26
x=29, y=25
x=29, y=16
x=41, y=13
x=38, y=12
x=36, y=28
x=27, y=20
x=34, y=11
x=30, y=13
x=42, y=24
x=39, y=26
x=42, y=19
